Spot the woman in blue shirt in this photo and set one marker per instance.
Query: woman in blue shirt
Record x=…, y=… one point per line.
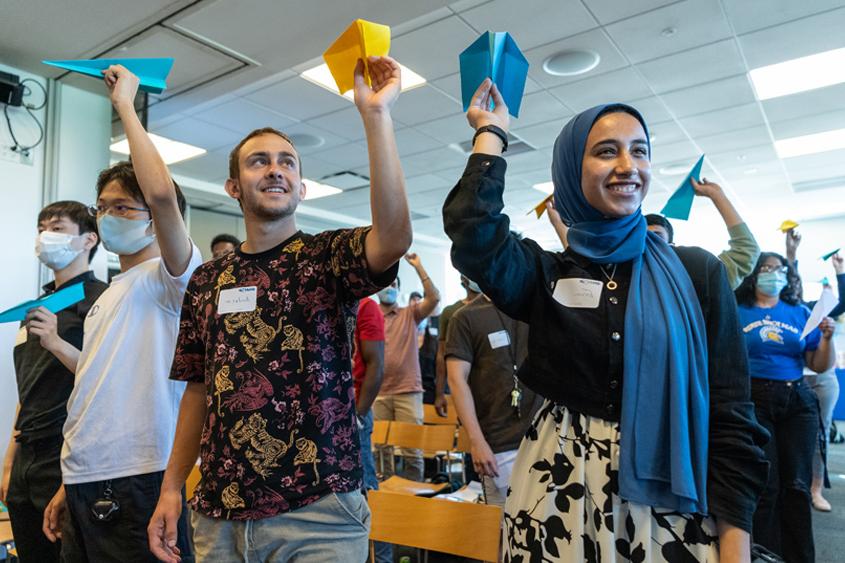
x=772, y=319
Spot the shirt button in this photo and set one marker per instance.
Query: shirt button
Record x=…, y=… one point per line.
x=613, y=301
x=610, y=408
x=614, y=384
x=486, y=163
x=615, y=336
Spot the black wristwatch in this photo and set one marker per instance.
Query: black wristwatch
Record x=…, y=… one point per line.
x=496, y=130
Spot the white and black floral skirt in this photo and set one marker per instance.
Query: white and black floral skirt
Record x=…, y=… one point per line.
x=563, y=502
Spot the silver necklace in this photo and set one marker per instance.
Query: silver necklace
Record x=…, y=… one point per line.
x=611, y=285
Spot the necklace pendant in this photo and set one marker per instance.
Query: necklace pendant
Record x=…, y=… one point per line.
x=611, y=285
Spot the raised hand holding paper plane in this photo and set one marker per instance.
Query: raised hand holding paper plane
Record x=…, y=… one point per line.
x=680, y=202
x=385, y=83
x=360, y=41
x=122, y=85
x=495, y=56
x=152, y=73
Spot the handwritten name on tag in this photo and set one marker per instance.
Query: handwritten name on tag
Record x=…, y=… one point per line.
x=578, y=293
x=237, y=300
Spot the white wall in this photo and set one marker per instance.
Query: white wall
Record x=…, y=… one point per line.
x=20, y=190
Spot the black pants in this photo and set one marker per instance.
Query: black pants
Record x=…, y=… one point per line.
x=783, y=520
x=124, y=538
x=35, y=478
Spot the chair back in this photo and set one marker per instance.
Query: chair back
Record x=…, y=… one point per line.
x=430, y=438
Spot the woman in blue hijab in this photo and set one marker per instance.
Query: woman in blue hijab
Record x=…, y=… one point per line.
x=647, y=448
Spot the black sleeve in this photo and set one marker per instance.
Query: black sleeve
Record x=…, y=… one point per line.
x=483, y=248
x=737, y=469
x=840, y=284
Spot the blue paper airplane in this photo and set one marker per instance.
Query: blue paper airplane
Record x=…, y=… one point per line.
x=54, y=302
x=680, y=203
x=830, y=254
x=495, y=56
x=152, y=72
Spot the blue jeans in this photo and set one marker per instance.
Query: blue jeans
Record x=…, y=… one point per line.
x=335, y=528
x=783, y=520
x=384, y=551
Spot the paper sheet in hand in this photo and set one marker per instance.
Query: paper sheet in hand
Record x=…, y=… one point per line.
x=540, y=208
x=54, y=302
x=680, y=203
x=152, y=73
x=824, y=305
x=362, y=39
x=495, y=56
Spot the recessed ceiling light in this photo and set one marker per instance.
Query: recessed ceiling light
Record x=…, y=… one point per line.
x=307, y=141
x=674, y=170
x=322, y=76
x=799, y=75
x=571, y=62
x=668, y=32
x=316, y=190
x=811, y=144
x=171, y=151
x=545, y=187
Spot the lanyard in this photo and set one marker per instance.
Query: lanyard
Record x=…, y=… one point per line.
x=516, y=391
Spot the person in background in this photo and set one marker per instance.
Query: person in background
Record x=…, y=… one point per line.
x=66, y=242
x=484, y=349
x=122, y=411
x=772, y=319
x=400, y=397
x=223, y=244
x=824, y=385
x=600, y=471
x=472, y=291
x=743, y=250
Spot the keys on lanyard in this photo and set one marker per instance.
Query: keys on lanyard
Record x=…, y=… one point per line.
x=516, y=395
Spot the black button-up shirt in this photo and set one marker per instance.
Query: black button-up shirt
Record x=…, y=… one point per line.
x=44, y=383
x=575, y=355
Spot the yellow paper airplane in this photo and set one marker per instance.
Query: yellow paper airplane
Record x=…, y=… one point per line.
x=787, y=226
x=540, y=208
x=362, y=39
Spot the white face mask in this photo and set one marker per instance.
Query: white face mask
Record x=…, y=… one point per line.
x=54, y=250
x=124, y=236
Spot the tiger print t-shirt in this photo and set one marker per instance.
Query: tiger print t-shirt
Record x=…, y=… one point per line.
x=270, y=335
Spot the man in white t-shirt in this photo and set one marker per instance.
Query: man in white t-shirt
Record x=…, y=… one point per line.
x=122, y=412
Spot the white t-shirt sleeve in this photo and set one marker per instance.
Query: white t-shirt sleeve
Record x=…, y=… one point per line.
x=172, y=288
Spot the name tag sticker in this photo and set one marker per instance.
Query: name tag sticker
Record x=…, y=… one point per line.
x=578, y=293
x=236, y=300
x=20, y=337
x=499, y=339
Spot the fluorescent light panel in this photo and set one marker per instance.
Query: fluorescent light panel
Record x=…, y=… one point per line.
x=811, y=144
x=799, y=75
x=545, y=187
x=322, y=76
x=171, y=151
x=316, y=190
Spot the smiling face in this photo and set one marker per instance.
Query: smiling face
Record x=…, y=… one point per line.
x=616, y=171
x=269, y=185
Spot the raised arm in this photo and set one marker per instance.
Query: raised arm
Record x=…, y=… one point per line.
x=391, y=235
x=431, y=295
x=152, y=174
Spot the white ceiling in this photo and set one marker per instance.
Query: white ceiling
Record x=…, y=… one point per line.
x=683, y=63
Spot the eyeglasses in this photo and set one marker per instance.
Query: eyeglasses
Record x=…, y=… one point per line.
x=769, y=268
x=114, y=210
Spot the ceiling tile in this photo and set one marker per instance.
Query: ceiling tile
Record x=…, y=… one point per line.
x=593, y=40
x=696, y=66
x=529, y=161
x=243, y=116
x=714, y=95
x=813, y=102
x=609, y=11
x=695, y=23
x=675, y=153
x=315, y=168
x=537, y=23
x=807, y=125
x=410, y=141
x=624, y=83
x=423, y=104
x=542, y=135
x=299, y=99
x=798, y=38
x=350, y=155
x=200, y=134
x=665, y=133
x=345, y=123
x=735, y=140
x=207, y=167
x=830, y=164
x=329, y=139
x=450, y=129
x=432, y=51
x=539, y=107
x=451, y=85
x=426, y=183
x=744, y=158
x=723, y=120
x=652, y=110
x=750, y=15
x=435, y=160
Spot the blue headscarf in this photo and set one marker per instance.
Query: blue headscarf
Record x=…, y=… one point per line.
x=665, y=394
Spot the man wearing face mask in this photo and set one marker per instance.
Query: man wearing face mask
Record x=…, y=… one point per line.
x=67, y=240
x=401, y=394
x=123, y=408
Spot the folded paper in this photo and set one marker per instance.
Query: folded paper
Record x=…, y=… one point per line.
x=152, y=73
x=787, y=226
x=540, y=208
x=680, y=203
x=829, y=255
x=54, y=302
x=362, y=39
x=826, y=303
x=495, y=56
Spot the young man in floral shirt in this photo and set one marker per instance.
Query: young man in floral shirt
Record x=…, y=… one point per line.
x=265, y=346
